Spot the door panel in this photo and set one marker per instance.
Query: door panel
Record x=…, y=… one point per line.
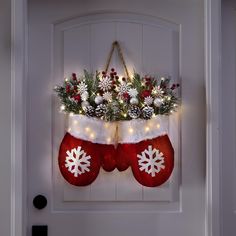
x=66, y=37
x=83, y=39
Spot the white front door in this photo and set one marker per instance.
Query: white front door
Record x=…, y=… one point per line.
x=159, y=37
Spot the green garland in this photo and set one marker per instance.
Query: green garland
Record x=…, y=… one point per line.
x=111, y=98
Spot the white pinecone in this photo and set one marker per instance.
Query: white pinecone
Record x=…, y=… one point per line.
x=89, y=111
x=134, y=112
x=147, y=112
x=100, y=110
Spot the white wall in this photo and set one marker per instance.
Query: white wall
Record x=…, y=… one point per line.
x=228, y=204
x=5, y=116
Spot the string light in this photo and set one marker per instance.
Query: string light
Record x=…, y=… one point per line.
x=62, y=107
x=75, y=122
x=125, y=115
x=158, y=126
x=108, y=140
x=80, y=111
x=66, y=79
x=87, y=129
x=71, y=114
x=131, y=130
x=147, y=128
x=92, y=135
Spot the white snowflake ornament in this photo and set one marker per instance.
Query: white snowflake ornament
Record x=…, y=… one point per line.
x=156, y=91
x=148, y=100
x=77, y=162
x=151, y=161
x=133, y=92
x=105, y=83
x=107, y=96
x=122, y=88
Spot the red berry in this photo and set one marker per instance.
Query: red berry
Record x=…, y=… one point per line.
x=126, y=96
x=77, y=98
x=145, y=93
x=114, y=73
x=73, y=75
x=124, y=79
x=112, y=69
x=177, y=85
x=117, y=77
x=104, y=72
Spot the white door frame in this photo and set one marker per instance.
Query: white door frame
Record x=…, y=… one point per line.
x=18, y=133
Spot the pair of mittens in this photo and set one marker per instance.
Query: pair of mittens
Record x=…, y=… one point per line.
x=86, y=147
x=91, y=144
x=146, y=148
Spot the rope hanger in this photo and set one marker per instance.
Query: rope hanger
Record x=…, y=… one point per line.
x=116, y=45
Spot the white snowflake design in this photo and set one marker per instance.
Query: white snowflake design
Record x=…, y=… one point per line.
x=123, y=88
x=151, y=161
x=148, y=100
x=107, y=96
x=77, y=162
x=82, y=87
x=105, y=84
x=133, y=92
x=156, y=91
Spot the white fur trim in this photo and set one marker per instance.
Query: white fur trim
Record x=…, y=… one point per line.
x=134, y=131
x=92, y=129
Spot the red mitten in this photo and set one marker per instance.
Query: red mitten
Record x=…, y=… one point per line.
x=145, y=146
x=88, y=145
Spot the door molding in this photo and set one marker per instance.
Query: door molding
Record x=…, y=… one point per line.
x=18, y=105
x=212, y=10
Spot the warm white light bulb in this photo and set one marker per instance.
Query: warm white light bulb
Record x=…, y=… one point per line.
x=158, y=126
x=92, y=135
x=71, y=114
x=87, y=129
x=147, y=128
x=62, y=107
x=131, y=130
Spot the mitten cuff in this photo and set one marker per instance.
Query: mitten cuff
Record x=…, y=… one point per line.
x=137, y=130
x=92, y=129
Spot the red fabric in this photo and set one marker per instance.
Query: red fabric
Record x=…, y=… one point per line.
x=101, y=155
x=107, y=154
x=109, y=158
x=128, y=155
x=68, y=143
